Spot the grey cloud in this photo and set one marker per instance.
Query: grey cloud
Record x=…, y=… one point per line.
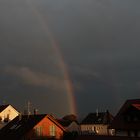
x=32, y=78
x=99, y=40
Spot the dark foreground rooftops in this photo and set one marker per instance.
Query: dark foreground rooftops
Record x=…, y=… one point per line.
x=128, y=117
x=21, y=125
x=98, y=118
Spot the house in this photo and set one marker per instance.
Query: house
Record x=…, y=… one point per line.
x=32, y=127
x=70, y=123
x=7, y=113
x=70, y=126
x=127, y=120
x=96, y=124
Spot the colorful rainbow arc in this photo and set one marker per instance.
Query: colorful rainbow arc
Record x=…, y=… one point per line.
x=55, y=47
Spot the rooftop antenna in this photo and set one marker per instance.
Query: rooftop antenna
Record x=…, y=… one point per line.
x=28, y=108
x=97, y=112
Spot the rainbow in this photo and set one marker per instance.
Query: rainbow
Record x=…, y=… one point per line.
x=58, y=54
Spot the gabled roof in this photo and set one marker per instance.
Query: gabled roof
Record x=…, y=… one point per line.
x=21, y=125
x=67, y=120
x=55, y=121
x=127, y=104
x=119, y=121
x=2, y=107
x=98, y=118
x=65, y=123
x=137, y=106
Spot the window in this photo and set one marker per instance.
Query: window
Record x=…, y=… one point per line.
x=52, y=130
x=38, y=131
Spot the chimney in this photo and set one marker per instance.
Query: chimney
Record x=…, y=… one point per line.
x=28, y=108
x=20, y=116
x=35, y=111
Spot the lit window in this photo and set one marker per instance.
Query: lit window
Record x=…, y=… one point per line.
x=52, y=130
x=38, y=131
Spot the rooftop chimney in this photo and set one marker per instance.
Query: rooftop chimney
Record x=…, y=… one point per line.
x=35, y=111
x=20, y=116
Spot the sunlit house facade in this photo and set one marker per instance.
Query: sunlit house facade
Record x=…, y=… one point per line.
x=96, y=124
x=7, y=113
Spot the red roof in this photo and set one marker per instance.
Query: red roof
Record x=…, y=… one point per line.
x=137, y=106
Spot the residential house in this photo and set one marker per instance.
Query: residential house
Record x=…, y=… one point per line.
x=127, y=120
x=32, y=127
x=96, y=124
x=7, y=113
x=70, y=123
x=70, y=126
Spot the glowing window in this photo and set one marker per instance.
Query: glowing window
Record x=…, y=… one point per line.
x=38, y=131
x=52, y=130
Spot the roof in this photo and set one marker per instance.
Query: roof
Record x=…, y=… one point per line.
x=98, y=118
x=22, y=125
x=67, y=120
x=65, y=123
x=129, y=107
x=137, y=106
x=2, y=107
x=55, y=121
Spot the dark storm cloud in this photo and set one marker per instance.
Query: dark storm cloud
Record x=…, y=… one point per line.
x=99, y=40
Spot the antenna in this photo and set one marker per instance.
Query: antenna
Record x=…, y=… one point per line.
x=97, y=112
x=28, y=108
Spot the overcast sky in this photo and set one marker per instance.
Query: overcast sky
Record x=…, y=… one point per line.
x=98, y=40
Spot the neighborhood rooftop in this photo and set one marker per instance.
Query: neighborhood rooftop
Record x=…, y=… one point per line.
x=98, y=118
x=2, y=107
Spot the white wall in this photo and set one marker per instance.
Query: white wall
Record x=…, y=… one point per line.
x=9, y=111
x=99, y=129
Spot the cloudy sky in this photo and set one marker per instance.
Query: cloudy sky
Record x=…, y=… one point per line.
x=95, y=41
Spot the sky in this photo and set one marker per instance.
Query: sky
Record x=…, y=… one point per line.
x=50, y=49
